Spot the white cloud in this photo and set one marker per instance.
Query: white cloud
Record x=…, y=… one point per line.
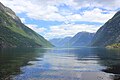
x=39, y=10
x=105, y=4
x=48, y=10
x=34, y=27
x=95, y=15
x=69, y=30
x=23, y=20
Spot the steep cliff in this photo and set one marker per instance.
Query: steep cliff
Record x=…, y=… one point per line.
x=13, y=33
x=109, y=33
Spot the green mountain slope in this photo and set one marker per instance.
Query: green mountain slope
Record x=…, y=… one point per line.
x=13, y=33
x=109, y=33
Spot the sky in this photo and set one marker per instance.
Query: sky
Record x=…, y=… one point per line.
x=61, y=18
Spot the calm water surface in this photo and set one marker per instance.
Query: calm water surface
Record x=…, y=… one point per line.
x=60, y=64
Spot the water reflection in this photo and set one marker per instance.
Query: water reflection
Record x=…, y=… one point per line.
x=60, y=64
x=11, y=60
x=110, y=58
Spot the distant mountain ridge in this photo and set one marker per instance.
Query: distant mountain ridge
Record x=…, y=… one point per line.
x=80, y=39
x=109, y=33
x=13, y=33
x=60, y=42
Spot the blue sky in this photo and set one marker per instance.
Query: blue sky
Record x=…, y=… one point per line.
x=61, y=18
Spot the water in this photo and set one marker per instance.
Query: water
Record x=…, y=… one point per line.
x=60, y=64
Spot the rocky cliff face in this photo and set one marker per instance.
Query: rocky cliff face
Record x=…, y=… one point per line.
x=13, y=33
x=9, y=12
x=109, y=33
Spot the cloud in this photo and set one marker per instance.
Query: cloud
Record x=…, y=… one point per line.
x=35, y=27
x=39, y=10
x=23, y=20
x=49, y=10
x=105, y=4
x=95, y=15
x=69, y=30
x=67, y=11
x=108, y=4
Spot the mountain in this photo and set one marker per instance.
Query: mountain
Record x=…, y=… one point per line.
x=109, y=33
x=81, y=39
x=13, y=33
x=60, y=42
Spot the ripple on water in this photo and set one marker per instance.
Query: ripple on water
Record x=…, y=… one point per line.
x=63, y=65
